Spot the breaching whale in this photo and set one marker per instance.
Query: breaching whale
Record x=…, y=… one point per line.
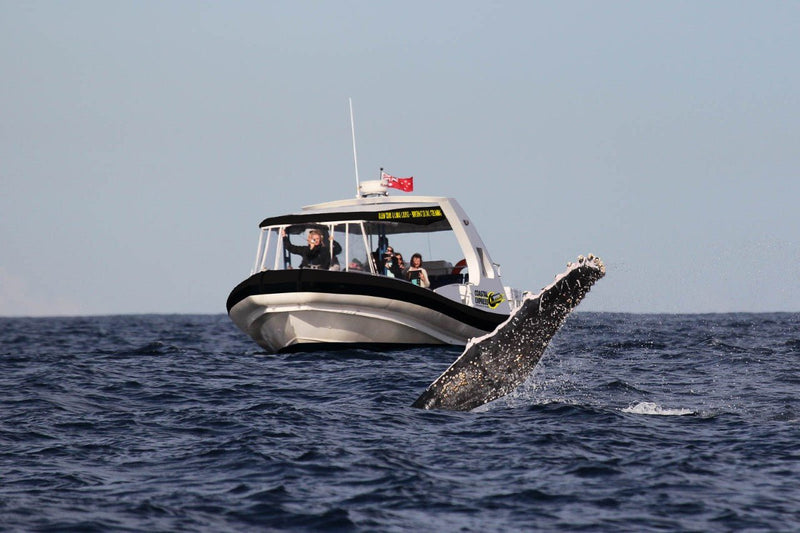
x=494, y=365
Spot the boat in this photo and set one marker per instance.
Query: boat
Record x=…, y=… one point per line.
x=351, y=298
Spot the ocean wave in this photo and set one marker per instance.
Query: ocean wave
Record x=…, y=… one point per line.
x=177, y=423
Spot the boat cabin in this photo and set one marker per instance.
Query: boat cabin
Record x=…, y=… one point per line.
x=357, y=234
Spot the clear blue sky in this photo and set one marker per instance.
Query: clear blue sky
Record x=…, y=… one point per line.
x=142, y=142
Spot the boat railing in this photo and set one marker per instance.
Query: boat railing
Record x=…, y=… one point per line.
x=514, y=297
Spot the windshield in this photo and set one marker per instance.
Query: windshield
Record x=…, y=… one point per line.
x=362, y=246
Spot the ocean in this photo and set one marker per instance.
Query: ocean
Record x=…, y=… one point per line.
x=182, y=423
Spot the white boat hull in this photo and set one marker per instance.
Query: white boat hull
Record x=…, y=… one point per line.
x=280, y=321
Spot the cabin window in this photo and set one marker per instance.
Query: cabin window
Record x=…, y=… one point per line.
x=266, y=254
x=299, y=236
x=435, y=242
x=356, y=244
x=353, y=256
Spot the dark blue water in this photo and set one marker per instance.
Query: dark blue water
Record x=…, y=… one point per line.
x=181, y=423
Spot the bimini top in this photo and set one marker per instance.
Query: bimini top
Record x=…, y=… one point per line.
x=426, y=211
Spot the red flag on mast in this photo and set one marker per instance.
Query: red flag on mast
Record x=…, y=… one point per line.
x=404, y=184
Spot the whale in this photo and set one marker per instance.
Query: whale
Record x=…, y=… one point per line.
x=495, y=364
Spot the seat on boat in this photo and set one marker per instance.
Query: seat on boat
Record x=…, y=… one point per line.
x=447, y=279
x=441, y=273
x=437, y=268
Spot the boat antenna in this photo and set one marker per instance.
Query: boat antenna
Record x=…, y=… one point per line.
x=355, y=155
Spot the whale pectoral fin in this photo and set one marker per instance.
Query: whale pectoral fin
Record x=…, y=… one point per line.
x=496, y=364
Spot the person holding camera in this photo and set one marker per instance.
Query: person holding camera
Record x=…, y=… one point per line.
x=316, y=254
x=391, y=267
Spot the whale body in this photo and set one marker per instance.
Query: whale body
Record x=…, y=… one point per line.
x=494, y=365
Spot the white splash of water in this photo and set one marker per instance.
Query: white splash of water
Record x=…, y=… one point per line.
x=651, y=408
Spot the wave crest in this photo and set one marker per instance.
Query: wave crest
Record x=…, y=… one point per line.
x=652, y=408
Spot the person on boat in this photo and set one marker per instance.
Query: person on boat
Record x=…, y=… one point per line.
x=391, y=267
x=385, y=261
x=401, y=264
x=315, y=254
x=356, y=265
x=416, y=274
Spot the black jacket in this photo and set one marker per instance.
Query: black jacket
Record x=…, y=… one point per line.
x=389, y=264
x=318, y=257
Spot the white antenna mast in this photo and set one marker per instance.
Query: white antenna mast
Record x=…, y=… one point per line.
x=355, y=155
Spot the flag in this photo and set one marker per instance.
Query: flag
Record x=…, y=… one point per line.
x=404, y=184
